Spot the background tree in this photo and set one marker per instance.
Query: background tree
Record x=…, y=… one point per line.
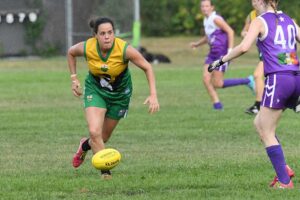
x=177, y=17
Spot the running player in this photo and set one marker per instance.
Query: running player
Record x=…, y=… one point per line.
x=258, y=72
x=108, y=85
x=220, y=37
x=276, y=34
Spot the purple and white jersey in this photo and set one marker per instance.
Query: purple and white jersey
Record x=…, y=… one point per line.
x=278, y=45
x=217, y=38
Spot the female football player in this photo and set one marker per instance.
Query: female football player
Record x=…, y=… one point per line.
x=108, y=84
x=276, y=34
x=220, y=37
x=258, y=72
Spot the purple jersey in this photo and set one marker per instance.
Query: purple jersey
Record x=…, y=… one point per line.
x=278, y=45
x=217, y=38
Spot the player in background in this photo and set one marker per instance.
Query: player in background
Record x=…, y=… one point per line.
x=220, y=38
x=108, y=86
x=276, y=35
x=258, y=72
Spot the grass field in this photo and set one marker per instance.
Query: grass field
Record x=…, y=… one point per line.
x=186, y=151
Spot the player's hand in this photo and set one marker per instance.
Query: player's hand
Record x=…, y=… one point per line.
x=76, y=88
x=153, y=104
x=217, y=63
x=193, y=45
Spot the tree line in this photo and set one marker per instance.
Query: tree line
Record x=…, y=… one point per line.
x=183, y=17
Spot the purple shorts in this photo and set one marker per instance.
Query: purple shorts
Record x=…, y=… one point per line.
x=211, y=57
x=282, y=90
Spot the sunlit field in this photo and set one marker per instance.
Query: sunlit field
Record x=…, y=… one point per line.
x=186, y=151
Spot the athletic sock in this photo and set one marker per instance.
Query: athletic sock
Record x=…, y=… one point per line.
x=257, y=104
x=276, y=156
x=218, y=106
x=86, y=146
x=235, y=82
x=105, y=172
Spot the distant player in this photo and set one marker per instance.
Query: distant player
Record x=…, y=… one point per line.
x=259, y=70
x=220, y=37
x=276, y=35
x=108, y=86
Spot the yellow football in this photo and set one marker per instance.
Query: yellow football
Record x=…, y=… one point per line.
x=106, y=159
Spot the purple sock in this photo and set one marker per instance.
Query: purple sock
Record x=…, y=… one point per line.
x=276, y=156
x=235, y=82
x=218, y=106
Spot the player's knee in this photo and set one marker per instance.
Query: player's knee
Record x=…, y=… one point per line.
x=95, y=134
x=206, y=79
x=218, y=83
x=257, y=125
x=257, y=76
x=259, y=129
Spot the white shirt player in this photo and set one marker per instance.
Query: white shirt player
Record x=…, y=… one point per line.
x=210, y=27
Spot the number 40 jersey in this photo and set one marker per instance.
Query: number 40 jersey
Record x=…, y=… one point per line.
x=278, y=44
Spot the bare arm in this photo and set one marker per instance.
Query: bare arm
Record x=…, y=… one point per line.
x=136, y=58
x=246, y=26
x=256, y=28
x=75, y=51
x=200, y=42
x=222, y=24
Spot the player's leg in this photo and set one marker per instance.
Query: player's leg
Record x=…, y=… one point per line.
x=224, y=83
x=95, y=120
x=108, y=127
x=259, y=81
x=95, y=109
x=281, y=89
x=249, y=81
x=259, y=88
x=207, y=81
x=265, y=123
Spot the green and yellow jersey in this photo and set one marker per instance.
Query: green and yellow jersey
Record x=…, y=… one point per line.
x=110, y=72
x=252, y=15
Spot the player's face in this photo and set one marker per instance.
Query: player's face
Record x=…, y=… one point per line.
x=258, y=5
x=105, y=36
x=206, y=8
x=254, y=3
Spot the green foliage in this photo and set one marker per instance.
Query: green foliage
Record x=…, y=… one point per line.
x=165, y=18
x=34, y=31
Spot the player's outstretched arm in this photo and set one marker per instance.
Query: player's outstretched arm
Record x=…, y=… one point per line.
x=136, y=58
x=256, y=28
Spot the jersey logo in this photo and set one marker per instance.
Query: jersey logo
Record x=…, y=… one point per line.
x=288, y=58
x=89, y=98
x=104, y=68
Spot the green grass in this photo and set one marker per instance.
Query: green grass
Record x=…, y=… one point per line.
x=186, y=151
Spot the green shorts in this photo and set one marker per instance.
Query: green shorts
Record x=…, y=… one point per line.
x=116, y=103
